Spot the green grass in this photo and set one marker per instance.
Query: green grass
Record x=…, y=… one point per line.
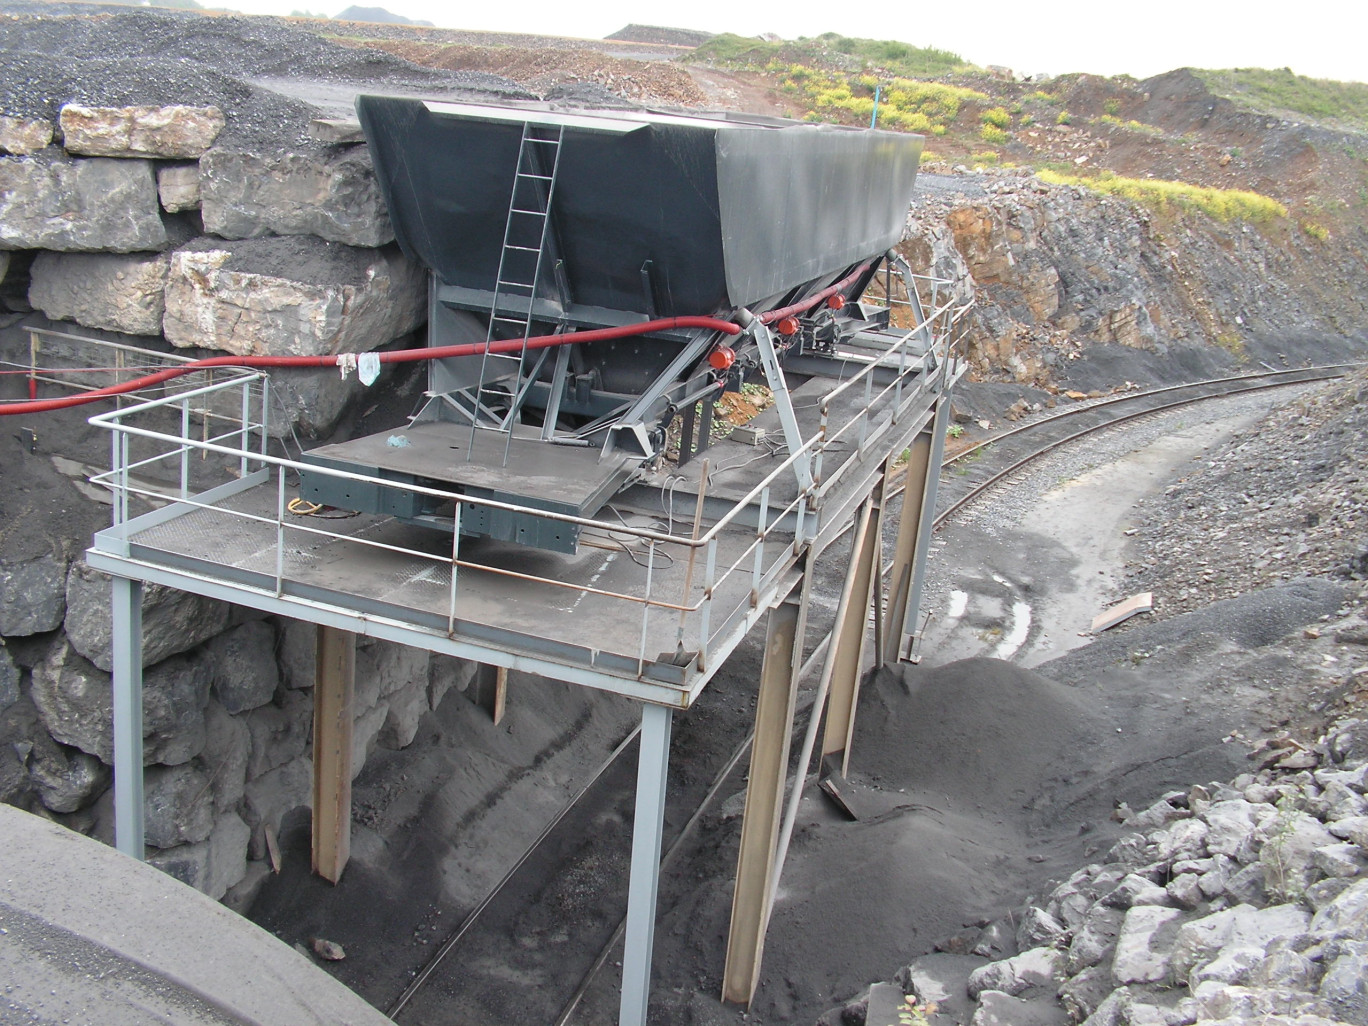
x=830, y=51
x=1169, y=197
x=904, y=104
x=1282, y=92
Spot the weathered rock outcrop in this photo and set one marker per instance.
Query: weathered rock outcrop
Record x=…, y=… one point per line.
x=171, y=132
x=296, y=296
x=82, y=205
x=1054, y=269
x=112, y=291
x=331, y=193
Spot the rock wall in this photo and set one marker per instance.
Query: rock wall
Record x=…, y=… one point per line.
x=1055, y=270
x=227, y=716
x=138, y=220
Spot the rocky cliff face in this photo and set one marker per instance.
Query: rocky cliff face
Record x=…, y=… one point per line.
x=1057, y=270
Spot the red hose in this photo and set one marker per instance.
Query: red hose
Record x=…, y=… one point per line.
x=512, y=345
x=770, y=316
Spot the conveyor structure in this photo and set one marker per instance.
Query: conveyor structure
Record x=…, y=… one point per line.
x=597, y=281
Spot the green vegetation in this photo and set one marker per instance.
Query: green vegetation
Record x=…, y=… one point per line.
x=901, y=59
x=1282, y=92
x=1167, y=197
x=994, y=135
x=1065, y=118
x=997, y=117
x=985, y=157
x=1130, y=126
x=849, y=99
x=1317, y=231
x=830, y=51
x=1112, y=107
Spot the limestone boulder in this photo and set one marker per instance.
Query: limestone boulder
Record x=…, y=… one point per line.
x=227, y=855
x=9, y=678
x=173, y=621
x=227, y=744
x=66, y=779
x=244, y=666
x=279, y=733
x=291, y=297
x=172, y=132
x=330, y=192
x=32, y=596
x=52, y=201
x=1144, y=944
x=22, y=136
x=271, y=796
x=298, y=644
x=178, y=806
x=74, y=699
x=188, y=863
x=109, y=291
x=178, y=187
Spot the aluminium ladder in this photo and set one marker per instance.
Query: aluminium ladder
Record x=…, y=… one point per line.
x=526, y=233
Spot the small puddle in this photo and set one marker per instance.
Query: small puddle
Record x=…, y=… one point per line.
x=1016, y=637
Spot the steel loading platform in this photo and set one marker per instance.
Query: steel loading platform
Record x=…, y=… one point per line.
x=648, y=607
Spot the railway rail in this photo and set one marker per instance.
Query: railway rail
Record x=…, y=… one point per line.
x=578, y=864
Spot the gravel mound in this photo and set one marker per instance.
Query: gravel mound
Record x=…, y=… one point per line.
x=1285, y=500
x=170, y=58
x=660, y=35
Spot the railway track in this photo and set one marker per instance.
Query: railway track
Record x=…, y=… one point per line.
x=532, y=949
x=985, y=464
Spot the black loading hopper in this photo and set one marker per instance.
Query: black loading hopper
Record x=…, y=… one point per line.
x=651, y=215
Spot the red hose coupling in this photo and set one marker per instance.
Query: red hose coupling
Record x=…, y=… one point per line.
x=722, y=358
x=836, y=302
x=787, y=326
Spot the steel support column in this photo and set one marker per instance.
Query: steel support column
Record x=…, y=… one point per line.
x=851, y=629
x=755, y=867
x=914, y=533
x=648, y=827
x=334, y=691
x=128, y=716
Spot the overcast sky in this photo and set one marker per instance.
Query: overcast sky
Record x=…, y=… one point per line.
x=1320, y=38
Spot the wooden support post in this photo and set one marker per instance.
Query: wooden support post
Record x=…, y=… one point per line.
x=334, y=689
x=764, y=796
x=490, y=690
x=914, y=532
x=851, y=629
x=900, y=583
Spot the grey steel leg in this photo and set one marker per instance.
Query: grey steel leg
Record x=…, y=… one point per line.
x=648, y=826
x=128, y=717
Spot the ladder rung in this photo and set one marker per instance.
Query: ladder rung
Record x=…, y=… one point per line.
x=530, y=213
x=528, y=174
x=516, y=284
x=546, y=142
x=524, y=249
